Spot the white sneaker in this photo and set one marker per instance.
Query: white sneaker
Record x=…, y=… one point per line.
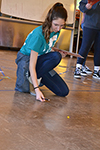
x=96, y=74
x=86, y=69
x=30, y=80
x=78, y=73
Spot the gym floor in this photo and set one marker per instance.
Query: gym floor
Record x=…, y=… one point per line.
x=64, y=123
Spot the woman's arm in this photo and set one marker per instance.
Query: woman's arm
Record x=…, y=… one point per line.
x=32, y=66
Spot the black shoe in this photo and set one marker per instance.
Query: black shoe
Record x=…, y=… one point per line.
x=83, y=73
x=86, y=69
x=77, y=73
x=96, y=74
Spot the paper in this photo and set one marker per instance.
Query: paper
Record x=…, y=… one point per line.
x=66, y=52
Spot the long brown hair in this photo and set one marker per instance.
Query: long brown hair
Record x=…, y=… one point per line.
x=57, y=11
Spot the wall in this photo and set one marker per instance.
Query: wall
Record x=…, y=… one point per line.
x=34, y=9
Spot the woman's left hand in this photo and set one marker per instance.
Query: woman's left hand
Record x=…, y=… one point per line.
x=62, y=53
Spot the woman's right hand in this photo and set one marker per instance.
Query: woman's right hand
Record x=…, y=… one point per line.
x=39, y=95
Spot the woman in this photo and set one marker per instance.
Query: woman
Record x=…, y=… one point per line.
x=91, y=33
x=36, y=60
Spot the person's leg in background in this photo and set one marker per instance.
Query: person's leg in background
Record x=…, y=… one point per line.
x=88, y=38
x=85, y=68
x=97, y=56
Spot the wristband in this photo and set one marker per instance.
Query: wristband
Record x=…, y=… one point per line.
x=36, y=87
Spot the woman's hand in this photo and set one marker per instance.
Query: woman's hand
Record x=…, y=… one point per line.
x=39, y=95
x=62, y=53
x=89, y=5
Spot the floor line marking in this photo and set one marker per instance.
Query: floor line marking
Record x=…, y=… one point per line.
x=2, y=72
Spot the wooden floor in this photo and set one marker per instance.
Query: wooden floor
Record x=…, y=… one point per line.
x=70, y=123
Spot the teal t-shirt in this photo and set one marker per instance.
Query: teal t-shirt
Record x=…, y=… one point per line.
x=36, y=41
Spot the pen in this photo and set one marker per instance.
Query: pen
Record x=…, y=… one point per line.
x=46, y=99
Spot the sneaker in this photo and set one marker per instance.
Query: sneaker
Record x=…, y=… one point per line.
x=30, y=80
x=86, y=69
x=78, y=73
x=83, y=73
x=96, y=74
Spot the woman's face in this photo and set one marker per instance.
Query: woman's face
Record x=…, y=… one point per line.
x=57, y=25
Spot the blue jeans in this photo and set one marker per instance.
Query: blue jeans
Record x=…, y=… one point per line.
x=44, y=68
x=90, y=35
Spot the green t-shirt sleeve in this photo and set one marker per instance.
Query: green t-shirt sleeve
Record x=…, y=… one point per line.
x=34, y=43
